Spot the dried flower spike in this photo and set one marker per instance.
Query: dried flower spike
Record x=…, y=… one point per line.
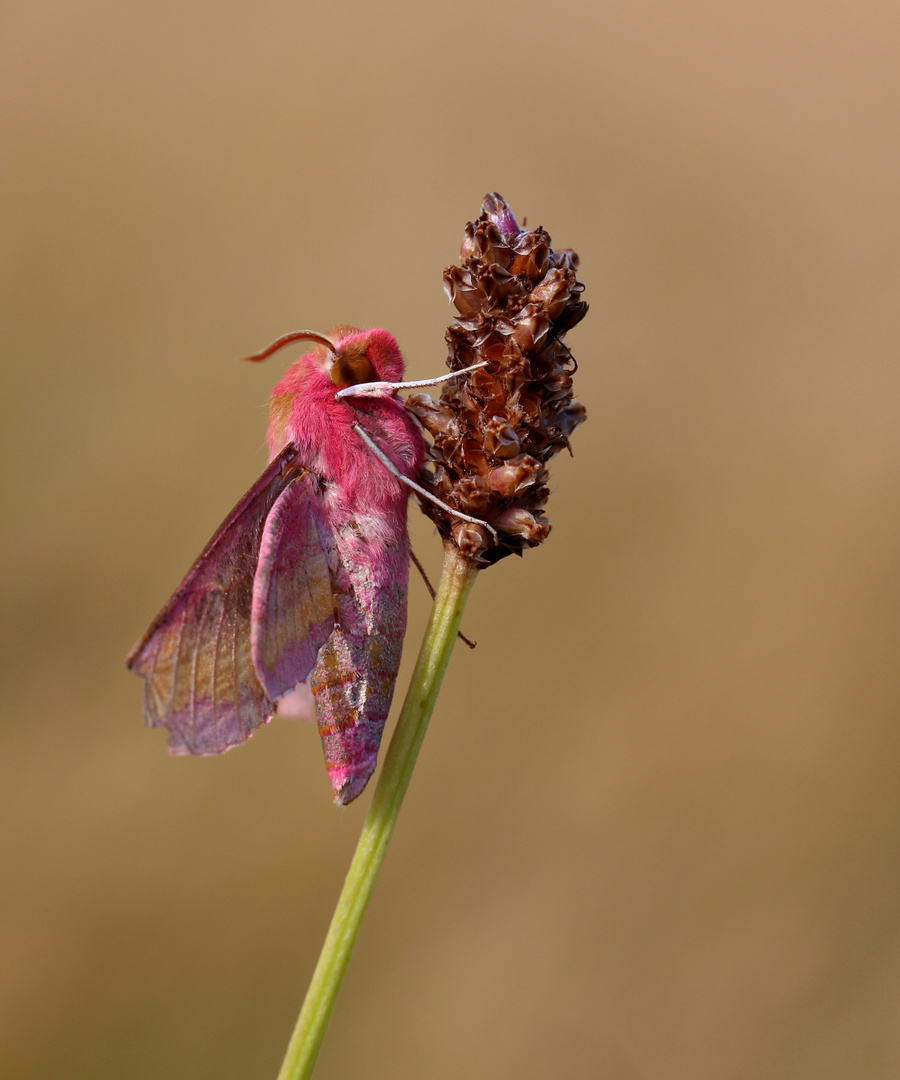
x=494, y=431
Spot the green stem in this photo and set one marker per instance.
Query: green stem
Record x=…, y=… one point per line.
x=457, y=578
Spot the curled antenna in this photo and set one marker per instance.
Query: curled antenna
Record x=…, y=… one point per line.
x=286, y=339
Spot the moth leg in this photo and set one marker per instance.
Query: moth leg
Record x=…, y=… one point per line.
x=462, y=637
x=422, y=574
x=377, y=387
x=394, y=471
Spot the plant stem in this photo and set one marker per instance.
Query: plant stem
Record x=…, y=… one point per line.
x=457, y=577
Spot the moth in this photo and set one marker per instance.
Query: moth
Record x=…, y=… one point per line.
x=305, y=582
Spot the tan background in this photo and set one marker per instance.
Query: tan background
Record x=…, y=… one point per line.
x=655, y=829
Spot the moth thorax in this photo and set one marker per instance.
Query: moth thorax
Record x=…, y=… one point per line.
x=351, y=366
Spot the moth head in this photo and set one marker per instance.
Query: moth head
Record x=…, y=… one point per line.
x=365, y=356
x=349, y=355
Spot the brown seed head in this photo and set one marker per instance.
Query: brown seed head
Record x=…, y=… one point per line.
x=494, y=430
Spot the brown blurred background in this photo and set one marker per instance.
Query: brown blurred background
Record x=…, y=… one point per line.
x=655, y=829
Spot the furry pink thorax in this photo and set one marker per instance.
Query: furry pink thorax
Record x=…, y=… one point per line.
x=306, y=412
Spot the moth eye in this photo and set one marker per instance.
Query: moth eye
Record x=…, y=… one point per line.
x=352, y=370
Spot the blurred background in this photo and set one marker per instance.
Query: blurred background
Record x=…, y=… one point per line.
x=655, y=827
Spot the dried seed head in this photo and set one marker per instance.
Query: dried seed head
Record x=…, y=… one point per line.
x=494, y=430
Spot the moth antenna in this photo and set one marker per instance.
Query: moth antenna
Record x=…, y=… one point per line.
x=373, y=387
x=394, y=471
x=286, y=339
x=430, y=588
